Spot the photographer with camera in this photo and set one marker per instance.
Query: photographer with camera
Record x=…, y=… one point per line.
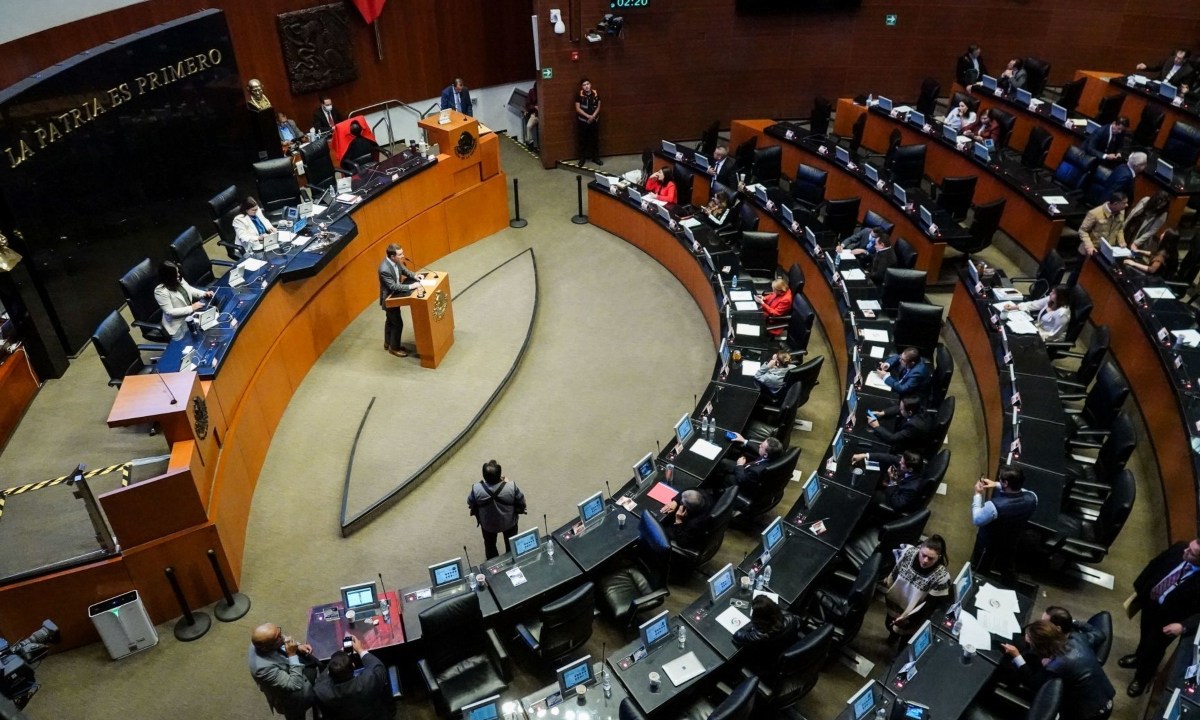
x=344, y=695
x=283, y=669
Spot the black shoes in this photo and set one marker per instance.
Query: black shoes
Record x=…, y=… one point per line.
x=1136, y=688
x=1128, y=661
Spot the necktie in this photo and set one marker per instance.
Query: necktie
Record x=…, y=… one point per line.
x=1168, y=582
x=458, y=102
x=329, y=117
x=262, y=229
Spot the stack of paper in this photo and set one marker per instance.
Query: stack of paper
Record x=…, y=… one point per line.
x=873, y=380
x=747, y=330
x=1019, y=323
x=997, y=611
x=973, y=632
x=854, y=274
x=740, y=295
x=1160, y=293
x=689, y=222
x=745, y=306
x=876, y=336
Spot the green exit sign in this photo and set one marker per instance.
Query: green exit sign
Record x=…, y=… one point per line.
x=891, y=20
x=547, y=73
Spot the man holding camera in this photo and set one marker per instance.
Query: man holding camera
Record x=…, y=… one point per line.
x=278, y=665
x=344, y=695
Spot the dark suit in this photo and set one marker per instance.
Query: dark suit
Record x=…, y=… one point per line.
x=366, y=696
x=905, y=433
x=913, y=380
x=1180, y=605
x=748, y=475
x=1103, y=142
x=964, y=71
x=1121, y=178
x=321, y=123
x=464, y=98
x=1183, y=76
x=902, y=495
x=880, y=263
x=692, y=530
x=726, y=172
x=1087, y=693
x=391, y=282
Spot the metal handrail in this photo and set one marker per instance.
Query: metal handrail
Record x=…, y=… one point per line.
x=386, y=106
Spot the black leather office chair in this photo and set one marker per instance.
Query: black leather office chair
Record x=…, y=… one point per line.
x=1145, y=135
x=629, y=710
x=776, y=419
x=224, y=207
x=810, y=377
x=1095, y=478
x=1096, y=191
x=906, y=254
x=971, y=101
x=1049, y=274
x=1084, y=539
x=1074, y=169
x=561, y=626
x=119, y=354
x=1102, y=624
x=137, y=285
x=641, y=585
x=1110, y=108
x=1037, y=147
x=719, y=516
x=874, y=220
x=943, y=373
x=854, y=143
x=278, y=187
x=901, y=285
x=744, y=155
x=943, y=416
x=709, y=139
x=1036, y=73
x=1071, y=93
x=1045, y=705
x=841, y=216
x=318, y=166
x=759, y=257
x=754, y=502
x=795, y=279
x=768, y=165
x=932, y=476
x=194, y=263
x=1081, y=312
x=955, y=195
x=738, y=705
x=984, y=223
x=1007, y=121
x=894, y=140
x=800, y=325
x=684, y=181
x=1089, y=425
x=822, y=110
x=846, y=608
x=1074, y=382
x=908, y=165
x=808, y=188
x=926, y=103
x=918, y=325
x=794, y=673
x=872, y=541
x=464, y=662
x=1182, y=147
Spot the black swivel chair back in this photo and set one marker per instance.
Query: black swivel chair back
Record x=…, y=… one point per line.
x=822, y=110
x=563, y=625
x=856, y=135
x=956, y=194
x=927, y=100
x=1110, y=108
x=119, y=354
x=1074, y=168
x=935, y=470
x=714, y=534
x=277, y=185
x=194, y=263
x=901, y=285
x=906, y=254
x=795, y=279
x=1036, y=73
x=903, y=531
x=1115, y=509
x=684, y=180
x=318, y=165
x=809, y=186
x=810, y=377
x=841, y=215
x=224, y=207
x=1006, y=120
x=1092, y=358
x=1148, y=127
x=630, y=711
x=709, y=139
x=847, y=613
x=908, y=165
x=796, y=671
x=874, y=220
x=943, y=373
x=1071, y=93
x=776, y=475
x=1049, y=274
x=1116, y=449
x=1048, y=701
x=759, y=255
x=984, y=224
x=625, y=593
x=800, y=324
x=1183, y=145
x=464, y=662
x=740, y=703
x=968, y=98
x=1097, y=191
x=918, y=325
x=1036, y=148
x=768, y=165
x=744, y=154
x=1081, y=311
x=137, y=286
x=1104, y=401
x=747, y=218
x=1102, y=624
x=648, y=163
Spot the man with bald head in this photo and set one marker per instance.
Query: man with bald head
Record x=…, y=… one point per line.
x=277, y=664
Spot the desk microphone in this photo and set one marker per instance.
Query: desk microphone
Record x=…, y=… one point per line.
x=168, y=388
x=423, y=269
x=546, y=523
x=658, y=445
x=467, y=555
x=606, y=487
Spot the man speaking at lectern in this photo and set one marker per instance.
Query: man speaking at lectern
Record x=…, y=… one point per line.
x=392, y=276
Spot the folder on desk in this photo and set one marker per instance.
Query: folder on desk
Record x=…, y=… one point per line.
x=873, y=335
x=739, y=295
x=745, y=306
x=662, y=492
x=750, y=367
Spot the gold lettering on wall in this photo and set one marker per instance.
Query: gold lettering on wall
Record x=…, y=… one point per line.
x=56, y=127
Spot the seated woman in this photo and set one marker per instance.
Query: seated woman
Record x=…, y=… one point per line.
x=1144, y=221
x=251, y=226
x=772, y=374
x=176, y=299
x=1051, y=314
x=662, y=184
x=918, y=583
x=961, y=116
x=770, y=632
x=777, y=303
x=717, y=209
x=1165, y=260
x=1087, y=692
x=987, y=128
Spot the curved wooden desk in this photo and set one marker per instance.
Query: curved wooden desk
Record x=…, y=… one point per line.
x=440, y=210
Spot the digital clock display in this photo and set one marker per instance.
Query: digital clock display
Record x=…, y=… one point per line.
x=628, y=3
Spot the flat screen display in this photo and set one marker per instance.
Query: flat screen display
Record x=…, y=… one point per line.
x=773, y=535
x=591, y=507
x=872, y=172
x=1058, y=112
x=655, y=630
x=812, y=489
x=863, y=702
x=1024, y=96
x=576, y=673
x=982, y=152
x=644, y=468
x=446, y=573
x=720, y=583
x=525, y=543
x=360, y=596
x=916, y=118
x=683, y=430
x=843, y=155
x=921, y=641
x=900, y=194
x=949, y=133
x=963, y=583
x=488, y=709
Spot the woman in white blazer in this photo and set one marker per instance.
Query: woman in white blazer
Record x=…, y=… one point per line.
x=251, y=226
x=176, y=298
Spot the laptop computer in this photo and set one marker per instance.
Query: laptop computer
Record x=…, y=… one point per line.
x=682, y=669
x=916, y=118
x=668, y=147
x=362, y=598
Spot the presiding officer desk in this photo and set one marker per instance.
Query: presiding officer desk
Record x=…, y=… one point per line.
x=1098, y=84
x=203, y=499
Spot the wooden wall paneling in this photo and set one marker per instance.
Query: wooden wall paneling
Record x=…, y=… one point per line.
x=154, y=508
x=23, y=605
x=186, y=552
x=477, y=213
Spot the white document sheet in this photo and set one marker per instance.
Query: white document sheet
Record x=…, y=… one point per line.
x=733, y=620
x=747, y=330
x=745, y=306
x=876, y=336
x=705, y=449
x=973, y=633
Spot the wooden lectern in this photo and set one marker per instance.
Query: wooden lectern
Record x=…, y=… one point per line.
x=432, y=317
x=448, y=135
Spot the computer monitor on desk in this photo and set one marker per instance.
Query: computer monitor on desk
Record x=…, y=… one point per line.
x=862, y=703
x=643, y=469
x=1092, y=126
x=885, y=104
x=721, y=583
x=655, y=631
x=488, y=709
x=982, y=153
x=1174, y=708
x=773, y=536
x=811, y=237
x=605, y=181
x=963, y=583
x=684, y=430
x=900, y=194
x=838, y=444
x=916, y=118
x=663, y=212
x=361, y=598
x=842, y=155
x=1167, y=90
x=1164, y=170
x=1024, y=96
x=949, y=134
x=1058, y=112
x=668, y=148
x=919, y=643
x=634, y=195
x=574, y=674
x=988, y=82
x=701, y=161
x=446, y=573
x=811, y=490
x=525, y=543
x=871, y=171
x=926, y=216
x=786, y=211
x=591, y=508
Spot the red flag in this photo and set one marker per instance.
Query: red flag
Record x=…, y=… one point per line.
x=370, y=9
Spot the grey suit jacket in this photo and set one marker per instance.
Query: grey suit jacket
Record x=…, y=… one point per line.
x=288, y=691
x=176, y=306
x=391, y=278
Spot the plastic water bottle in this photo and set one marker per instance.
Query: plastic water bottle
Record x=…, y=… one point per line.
x=870, y=99
x=682, y=636
x=550, y=549
x=733, y=281
x=704, y=426
x=606, y=683
x=766, y=576
x=754, y=578
x=957, y=627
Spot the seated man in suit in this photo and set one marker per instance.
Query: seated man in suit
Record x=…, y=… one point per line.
x=862, y=242
x=456, y=96
x=900, y=479
x=747, y=469
x=911, y=428
x=326, y=116
x=685, y=519
x=906, y=373
x=884, y=258
x=343, y=695
x=1175, y=69
x=1104, y=222
x=1106, y=142
x=722, y=167
x=1123, y=177
x=1014, y=76
x=290, y=135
